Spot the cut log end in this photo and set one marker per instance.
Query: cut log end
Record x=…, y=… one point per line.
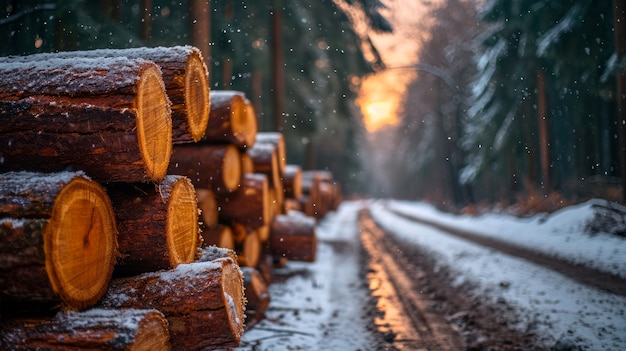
x=182, y=224
x=197, y=96
x=231, y=168
x=152, y=334
x=154, y=124
x=80, y=242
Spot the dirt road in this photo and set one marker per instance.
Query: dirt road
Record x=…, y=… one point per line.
x=367, y=292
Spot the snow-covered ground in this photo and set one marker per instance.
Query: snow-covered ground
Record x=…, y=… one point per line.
x=569, y=314
x=321, y=304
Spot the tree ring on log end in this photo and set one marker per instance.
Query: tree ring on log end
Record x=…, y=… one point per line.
x=197, y=96
x=154, y=124
x=232, y=168
x=80, y=243
x=153, y=333
x=182, y=223
x=251, y=128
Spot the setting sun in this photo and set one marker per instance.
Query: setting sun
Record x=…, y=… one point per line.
x=381, y=97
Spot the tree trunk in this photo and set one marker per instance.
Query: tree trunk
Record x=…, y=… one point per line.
x=215, y=167
x=293, y=237
x=544, y=139
x=158, y=224
x=58, y=239
x=249, y=205
x=109, y=117
x=202, y=301
x=232, y=119
x=95, y=329
x=619, y=23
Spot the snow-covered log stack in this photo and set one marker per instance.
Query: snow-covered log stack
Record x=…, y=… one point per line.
x=69, y=239
x=118, y=169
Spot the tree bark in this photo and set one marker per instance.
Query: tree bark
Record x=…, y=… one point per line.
x=58, y=239
x=158, y=224
x=293, y=237
x=249, y=204
x=215, y=167
x=232, y=119
x=109, y=117
x=95, y=329
x=202, y=301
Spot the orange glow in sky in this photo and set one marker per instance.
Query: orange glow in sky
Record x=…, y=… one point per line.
x=381, y=95
x=380, y=99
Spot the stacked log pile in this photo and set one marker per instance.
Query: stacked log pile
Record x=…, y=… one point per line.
x=120, y=174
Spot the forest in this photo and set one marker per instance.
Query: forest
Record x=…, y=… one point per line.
x=512, y=101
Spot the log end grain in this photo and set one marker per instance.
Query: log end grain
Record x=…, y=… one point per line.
x=197, y=95
x=154, y=123
x=80, y=243
x=182, y=222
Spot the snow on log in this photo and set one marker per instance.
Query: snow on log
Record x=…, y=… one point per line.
x=109, y=117
x=232, y=119
x=185, y=77
x=94, y=329
x=57, y=239
x=249, y=205
x=215, y=167
x=158, y=224
x=293, y=237
x=202, y=301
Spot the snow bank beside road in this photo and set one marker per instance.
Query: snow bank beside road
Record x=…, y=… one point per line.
x=560, y=234
x=570, y=315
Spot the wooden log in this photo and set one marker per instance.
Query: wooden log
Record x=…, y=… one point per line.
x=185, y=77
x=202, y=301
x=265, y=160
x=249, y=204
x=94, y=329
x=292, y=205
x=215, y=167
x=218, y=235
x=207, y=203
x=232, y=119
x=109, y=117
x=293, y=237
x=60, y=246
x=257, y=295
x=247, y=166
x=292, y=181
x=249, y=251
x=158, y=224
x=278, y=141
